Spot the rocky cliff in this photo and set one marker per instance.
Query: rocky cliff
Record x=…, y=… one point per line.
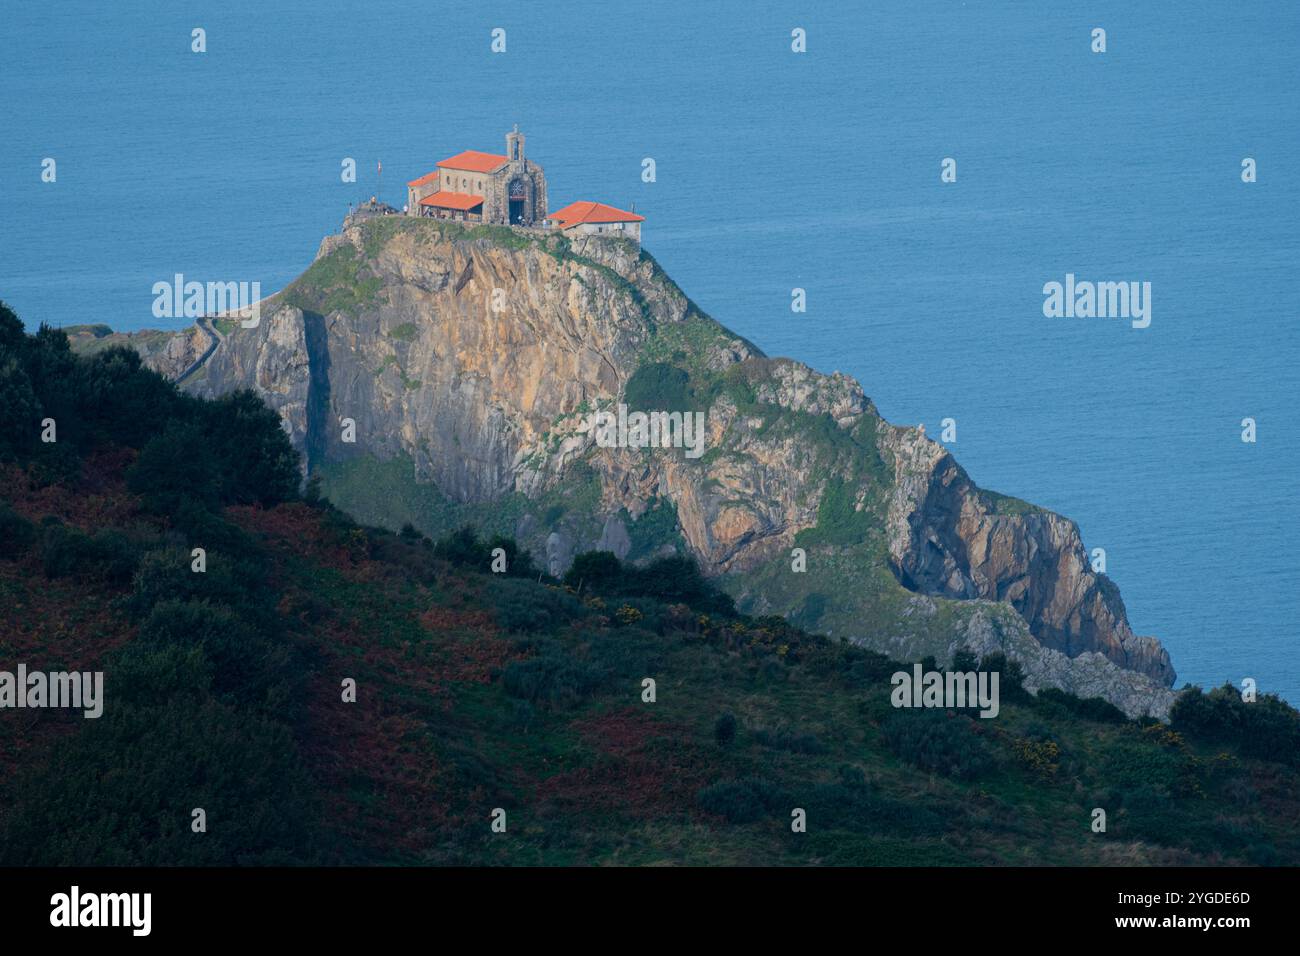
x=436, y=373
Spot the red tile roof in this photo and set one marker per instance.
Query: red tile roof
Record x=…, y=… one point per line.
x=448, y=200
x=425, y=179
x=584, y=211
x=475, y=162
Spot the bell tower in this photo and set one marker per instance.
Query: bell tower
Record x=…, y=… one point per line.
x=515, y=145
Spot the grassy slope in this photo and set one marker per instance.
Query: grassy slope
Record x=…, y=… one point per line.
x=411, y=772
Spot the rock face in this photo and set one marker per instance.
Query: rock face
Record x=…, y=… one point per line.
x=947, y=537
x=483, y=356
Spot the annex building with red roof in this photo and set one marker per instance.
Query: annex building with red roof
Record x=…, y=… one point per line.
x=589, y=218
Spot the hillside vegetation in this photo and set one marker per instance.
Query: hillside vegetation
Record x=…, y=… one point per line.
x=478, y=690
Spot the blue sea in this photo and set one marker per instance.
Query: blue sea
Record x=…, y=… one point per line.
x=777, y=170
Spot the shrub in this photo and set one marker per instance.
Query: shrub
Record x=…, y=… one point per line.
x=64, y=550
x=528, y=607
x=553, y=676
x=1090, y=708
x=598, y=571
x=659, y=386
x=165, y=573
x=743, y=801
x=724, y=730
x=120, y=791
x=245, y=663
x=258, y=462
x=781, y=739
x=1011, y=683
x=1267, y=728
x=178, y=466
x=933, y=741
x=16, y=533
x=144, y=673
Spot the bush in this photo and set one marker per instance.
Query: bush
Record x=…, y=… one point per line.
x=670, y=580
x=598, y=571
x=244, y=663
x=553, y=676
x=524, y=606
x=68, y=552
x=781, y=739
x=120, y=792
x=1011, y=682
x=178, y=466
x=258, y=462
x=165, y=573
x=743, y=801
x=659, y=387
x=724, y=730
x=16, y=533
x=1267, y=728
x=933, y=741
x=143, y=673
x=1090, y=708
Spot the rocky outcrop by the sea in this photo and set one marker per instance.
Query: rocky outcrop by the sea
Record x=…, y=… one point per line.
x=435, y=373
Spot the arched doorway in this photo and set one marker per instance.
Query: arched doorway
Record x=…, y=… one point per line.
x=520, y=196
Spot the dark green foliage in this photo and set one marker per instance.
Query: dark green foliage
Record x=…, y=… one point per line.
x=243, y=662
x=1090, y=708
x=257, y=462
x=1267, y=728
x=146, y=673
x=964, y=661
x=659, y=387
x=165, y=573
x=121, y=792
x=794, y=741
x=839, y=520
x=933, y=741
x=850, y=804
x=553, y=676
x=671, y=580
x=1011, y=682
x=68, y=552
x=528, y=607
x=20, y=423
x=176, y=467
x=745, y=800
x=232, y=450
x=463, y=547
x=519, y=564
x=16, y=533
x=656, y=527
x=724, y=730
x=598, y=571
